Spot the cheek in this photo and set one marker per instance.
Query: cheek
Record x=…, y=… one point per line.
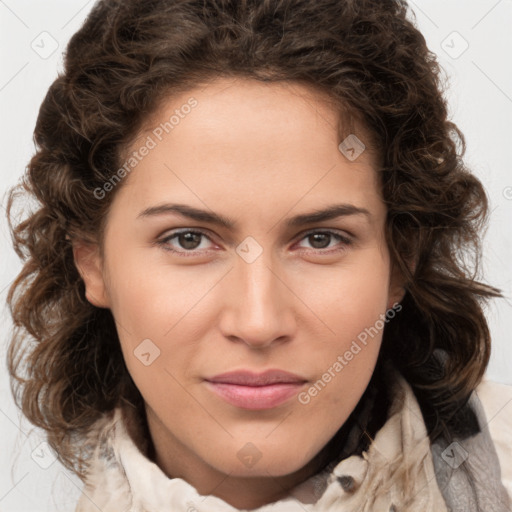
x=149, y=297
x=353, y=307
x=156, y=309
x=354, y=296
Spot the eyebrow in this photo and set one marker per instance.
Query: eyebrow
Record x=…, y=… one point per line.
x=329, y=213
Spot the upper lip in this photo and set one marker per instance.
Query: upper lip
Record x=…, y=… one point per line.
x=249, y=378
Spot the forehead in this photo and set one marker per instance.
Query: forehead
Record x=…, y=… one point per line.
x=252, y=141
x=226, y=109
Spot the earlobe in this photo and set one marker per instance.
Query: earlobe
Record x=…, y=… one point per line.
x=396, y=298
x=396, y=287
x=88, y=263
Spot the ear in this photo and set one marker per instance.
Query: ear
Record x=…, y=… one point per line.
x=89, y=264
x=396, y=286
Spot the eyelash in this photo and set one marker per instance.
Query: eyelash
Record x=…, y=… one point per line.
x=346, y=241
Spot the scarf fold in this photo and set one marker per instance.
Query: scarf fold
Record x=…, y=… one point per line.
x=400, y=471
x=468, y=471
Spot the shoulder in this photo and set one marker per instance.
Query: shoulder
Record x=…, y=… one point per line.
x=496, y=400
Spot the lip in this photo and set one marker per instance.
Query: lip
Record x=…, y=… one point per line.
x=249, y=378
x=249, y=390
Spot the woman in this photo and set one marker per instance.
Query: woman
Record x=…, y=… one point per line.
x=244, y=287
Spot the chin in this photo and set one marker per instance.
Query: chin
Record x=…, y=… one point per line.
x=251, y=462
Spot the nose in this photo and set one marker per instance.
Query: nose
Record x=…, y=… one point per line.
x=258, y=304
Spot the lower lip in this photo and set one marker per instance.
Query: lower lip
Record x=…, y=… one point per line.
x=256, y=397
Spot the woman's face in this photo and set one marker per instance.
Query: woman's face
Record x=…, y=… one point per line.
x=276, y=285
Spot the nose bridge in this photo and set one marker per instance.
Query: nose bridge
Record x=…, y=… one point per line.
x=259, y=303
x=259, y=284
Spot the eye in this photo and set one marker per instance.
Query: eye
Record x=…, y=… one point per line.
x=186, y=241
x=321, y=240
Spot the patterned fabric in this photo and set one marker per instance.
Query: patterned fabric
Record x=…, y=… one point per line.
x=468, y=470
x=399, y=471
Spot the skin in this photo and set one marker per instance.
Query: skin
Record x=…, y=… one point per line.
x=259, y=154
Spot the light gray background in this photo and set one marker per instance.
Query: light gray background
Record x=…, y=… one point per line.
x=480, y=98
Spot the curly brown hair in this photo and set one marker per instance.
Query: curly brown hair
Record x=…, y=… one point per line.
x=64, y=358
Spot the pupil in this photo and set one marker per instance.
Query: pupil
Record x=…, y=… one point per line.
x=318, y=237
x=190, y=240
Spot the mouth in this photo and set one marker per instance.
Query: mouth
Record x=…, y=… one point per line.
x=248, y=390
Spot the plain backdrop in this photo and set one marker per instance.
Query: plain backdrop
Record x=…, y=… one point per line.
x=473, y=41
